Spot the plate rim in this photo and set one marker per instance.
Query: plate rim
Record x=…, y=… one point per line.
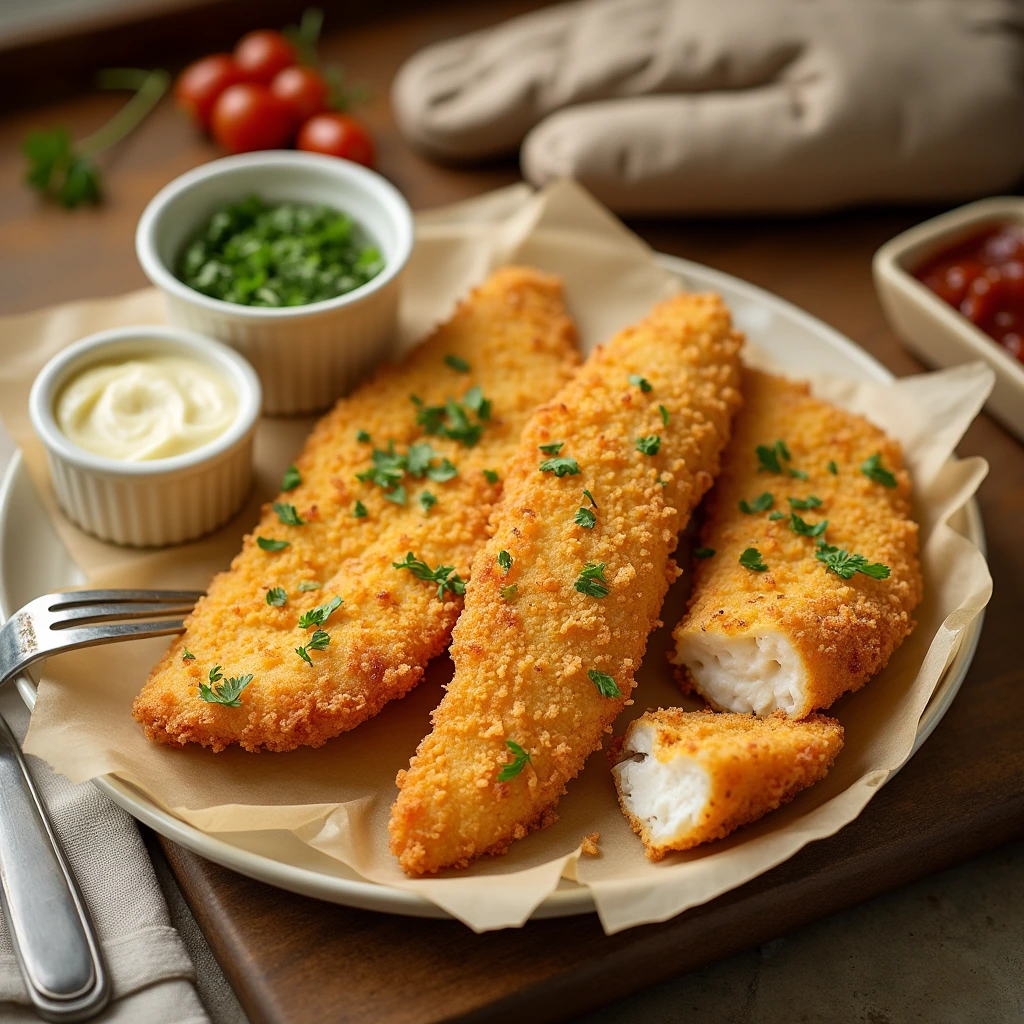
x=366, y=895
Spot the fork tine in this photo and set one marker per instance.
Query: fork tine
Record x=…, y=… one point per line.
x=88, y=636
x=78, y=598
x=80, y=614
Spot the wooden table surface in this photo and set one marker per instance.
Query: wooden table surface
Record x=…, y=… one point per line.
x=296, y=960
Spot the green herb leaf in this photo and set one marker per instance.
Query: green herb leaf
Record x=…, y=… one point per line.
x=751, y=559
x=649, y=445
x=640, y=382
x=317, y=642
x=664, y=414
x=215, y=674
x=288, y=515
x=444, y=470
x=833, y=468
x=363, y=437
x=427, y=501
x=188, y=655
x=307, y=585
x=301, y=652
x=505, y=561
x=320, y=614
x=560, y=466
x=272, y=545
x=606, y=686
x=553, y=448
x=590, y=498
x=703, y=552
x=417, y=459
x=474, y=399
x=490, y=476
x=761, y=503
x=844, y=565
x=513, y=768
x=457, y=363
x=811, y=501
x=585, y=518
x=397, y=496
x=591, y=580
x=228, y=693
x=292, y=479
x=444, y=575
x=359, y=510
x=874, y=470
x=507, y=593
x=797, y=525
x=277, y=597
x=776, y=516
x=769, y=456
x=798, y=473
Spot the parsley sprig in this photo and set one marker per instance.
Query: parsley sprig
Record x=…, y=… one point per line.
x=649, y=444
x=269, y=544
x=585, y=517
x=514, y=767
x=761, y=503
x=805, y=529
x=319, y=641
x=320, y=614
x=606, y=685
x=292, y=478
x=751, y=559
x=277, y=597
x=228, y=693
x=873, y=469
x=452, y=420
x=288, y=514
x=591, y=580
x=845, y=565
x=444, y=576
x=561, y=466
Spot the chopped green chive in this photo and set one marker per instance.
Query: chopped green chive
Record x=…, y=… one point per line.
x=703, y=552
x=751, y=559
x=359, y=511
x=288, y=515
x=585, y=518
x=649, y=445
x=761, y=503
x=277, y=597
x=513, y=768
x=560, y=466
x=272, y=545
x=553, y=448
x=444, y=575
x=591, y=580
x=320, y=614
x=664, y=414
x=505, y=561
x=457, y=363
x=292, y=478
x=490, y=476
x=606, y=686
x=874, y=470
x=640, y=382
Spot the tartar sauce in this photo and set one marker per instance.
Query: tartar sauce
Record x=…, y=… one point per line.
x=147, y=407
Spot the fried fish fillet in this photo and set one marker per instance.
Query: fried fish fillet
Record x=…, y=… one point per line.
x=687, y=777
x=816, y=610
x=459, y=400
x=565, y=593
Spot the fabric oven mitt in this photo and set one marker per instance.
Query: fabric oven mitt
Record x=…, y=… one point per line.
x=682, y=106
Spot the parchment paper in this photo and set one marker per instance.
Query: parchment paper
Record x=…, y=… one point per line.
x=336, y=799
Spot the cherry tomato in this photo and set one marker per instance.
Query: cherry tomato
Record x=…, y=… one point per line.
x=249, y=116
x=261, y=54
x=303, y=89
x=337, y=135
x=200, y=84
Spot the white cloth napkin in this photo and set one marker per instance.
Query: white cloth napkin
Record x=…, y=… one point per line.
x=151, y=972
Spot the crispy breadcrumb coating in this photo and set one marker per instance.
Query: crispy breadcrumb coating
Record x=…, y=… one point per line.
x=796, y=636
x=688, y=777
x=518, y=342
x=524, y=656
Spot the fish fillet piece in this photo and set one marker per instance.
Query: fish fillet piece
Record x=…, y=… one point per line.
x=796, y=636
x=688, y=777
x=540, y=663
x=513, y=340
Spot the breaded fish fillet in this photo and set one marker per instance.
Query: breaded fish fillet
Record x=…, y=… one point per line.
x=432, y=438
x=687, y=777
x=789, y=614
x=565, y=593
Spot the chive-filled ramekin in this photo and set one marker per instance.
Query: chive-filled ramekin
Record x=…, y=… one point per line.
x=306, y=355
x=148, y=433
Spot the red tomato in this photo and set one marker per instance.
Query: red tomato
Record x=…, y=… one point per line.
x=303, y=89
x=200, y=84
x=337, y=135
x=263, y=53
x=249, y=116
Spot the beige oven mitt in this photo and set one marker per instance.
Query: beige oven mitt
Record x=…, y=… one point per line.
x=679, y=106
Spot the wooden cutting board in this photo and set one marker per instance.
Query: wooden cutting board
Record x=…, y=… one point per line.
x=295, y=960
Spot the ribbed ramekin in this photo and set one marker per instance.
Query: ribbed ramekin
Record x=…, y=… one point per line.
x=306, y=356
x=158, y=502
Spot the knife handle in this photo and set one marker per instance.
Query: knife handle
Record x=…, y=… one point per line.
x=50, y=929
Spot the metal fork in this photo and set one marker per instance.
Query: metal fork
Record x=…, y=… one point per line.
x=49, y=924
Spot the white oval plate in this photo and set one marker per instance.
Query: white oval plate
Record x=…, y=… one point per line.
x=33, y=561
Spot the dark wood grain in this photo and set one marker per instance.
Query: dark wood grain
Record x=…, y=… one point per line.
x=295, y=960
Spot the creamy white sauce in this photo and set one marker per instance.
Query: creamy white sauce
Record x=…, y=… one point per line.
x=148, y=407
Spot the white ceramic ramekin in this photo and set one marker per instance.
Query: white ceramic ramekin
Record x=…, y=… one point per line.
x=164, y=501
x=306, y=356
x=930, y=327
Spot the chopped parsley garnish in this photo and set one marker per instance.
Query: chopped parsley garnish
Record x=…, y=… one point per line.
x=606, y=686
x=227, y=693
x=443, y=471
x=188, y=655
x=640, y=382
x=505, y=561
x=590, y=498
x=761, y=503
x=458, y=426
x=510, y=591
x=288, y=515
x=363, y=437
x=427, y=501
x=513, y=768
x=751, y=559
x=457, y=363
x=387, y=469
x=874, y=470
x=359, y=511
x=585, y=518
x=560, y=466
x=664, y=414
x=769, y=456
x=591, y=580
x=417, y=459
x=474, y=399
x=811, y=501
x=317, y=642
x=272, y=545
x=776, y=516
x=292, y=478
x=307, y=585
x=320, y=614
x=649, y=445
x=797, y=525
x=833, y=468
x=703, y=552
x=798, y=473
x=843, y=564
x=490, y=476
x=444, y=576
x=553, y=448
x=277, y=597
x=397, y=496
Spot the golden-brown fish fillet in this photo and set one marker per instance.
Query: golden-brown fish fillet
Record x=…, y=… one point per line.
x=687, y=777
x=518, y=342
x=796, y=636
x=546, y=666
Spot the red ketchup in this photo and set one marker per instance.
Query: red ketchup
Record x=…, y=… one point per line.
x=983, y=277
